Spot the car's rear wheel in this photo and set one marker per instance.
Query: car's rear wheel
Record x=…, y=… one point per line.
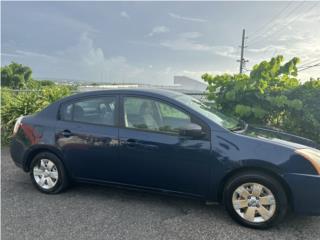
x=255, y=200
x=48, y=173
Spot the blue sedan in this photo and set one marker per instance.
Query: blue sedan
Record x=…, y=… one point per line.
x=168, y=142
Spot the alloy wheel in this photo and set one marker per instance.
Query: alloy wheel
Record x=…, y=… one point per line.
x=254, y=202
x=46, y=174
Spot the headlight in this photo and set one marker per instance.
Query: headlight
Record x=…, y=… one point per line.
x=312, y=155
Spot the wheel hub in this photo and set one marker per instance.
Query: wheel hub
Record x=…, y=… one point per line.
x=253, y=202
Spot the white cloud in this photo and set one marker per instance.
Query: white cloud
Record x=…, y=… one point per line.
x=225, y=51
x=23, y=55
x=190, y=35
x=9, y=55
x=124, y=14
x=92, y=64
x=310, y=17
x=33, y=54
x=267, y=49
x=158, y=30
x=191, y=19
x=187, y=42
x=196, y=74
x=291, y=37
x=184, y=45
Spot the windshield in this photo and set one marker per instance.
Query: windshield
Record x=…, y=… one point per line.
x=218, y=117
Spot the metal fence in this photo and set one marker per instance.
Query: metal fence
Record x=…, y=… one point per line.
x=196, y=94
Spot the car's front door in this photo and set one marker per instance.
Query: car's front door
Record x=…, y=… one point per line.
x=153, y=152
x=87, y=134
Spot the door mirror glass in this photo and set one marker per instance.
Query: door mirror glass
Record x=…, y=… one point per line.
x=192, y=130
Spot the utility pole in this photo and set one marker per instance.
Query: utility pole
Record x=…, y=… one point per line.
x=242, y=60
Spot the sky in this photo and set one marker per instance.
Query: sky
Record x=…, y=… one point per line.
x=150, y=42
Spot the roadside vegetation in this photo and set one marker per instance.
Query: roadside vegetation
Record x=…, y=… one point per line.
x=270, y=95
x=22, y=95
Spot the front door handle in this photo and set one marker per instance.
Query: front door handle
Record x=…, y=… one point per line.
x=131, y=143
x=66, y=133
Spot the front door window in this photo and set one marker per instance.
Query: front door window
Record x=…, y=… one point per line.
x=153, y=115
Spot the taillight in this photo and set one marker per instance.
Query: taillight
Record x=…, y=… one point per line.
x=17, y=125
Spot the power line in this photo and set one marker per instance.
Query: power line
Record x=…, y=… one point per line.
x=299, y=70
x=294, y=19
x=288, y=23
x=284, y=26
x=275, y=23
x=309, y=62
x=308, y=67
x=270, y=22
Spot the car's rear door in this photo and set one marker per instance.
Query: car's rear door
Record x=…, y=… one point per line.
x=87, y=134
x=155, y=155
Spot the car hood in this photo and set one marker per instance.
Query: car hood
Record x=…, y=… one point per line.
x=279, y=137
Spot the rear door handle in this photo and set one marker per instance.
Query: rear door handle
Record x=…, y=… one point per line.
x=66, y=133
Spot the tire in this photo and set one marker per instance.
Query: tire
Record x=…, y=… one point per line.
x=262, y=212
x=47, y=165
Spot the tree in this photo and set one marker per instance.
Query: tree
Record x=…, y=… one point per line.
x=270, y=95
x=15, y=75
x=257, y=97
x=305, y=121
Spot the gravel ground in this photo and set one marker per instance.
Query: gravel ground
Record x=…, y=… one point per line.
x=95, y=212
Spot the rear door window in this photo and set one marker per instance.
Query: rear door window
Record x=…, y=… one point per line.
x=100, y=110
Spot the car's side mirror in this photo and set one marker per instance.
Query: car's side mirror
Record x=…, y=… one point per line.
x=192, y=130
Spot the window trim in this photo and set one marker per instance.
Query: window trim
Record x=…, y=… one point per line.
x=205, y=127
x=79, y=99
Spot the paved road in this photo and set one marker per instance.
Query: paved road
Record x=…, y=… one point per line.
x=94, y=212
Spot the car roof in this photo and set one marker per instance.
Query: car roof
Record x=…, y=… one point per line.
x=136, y=91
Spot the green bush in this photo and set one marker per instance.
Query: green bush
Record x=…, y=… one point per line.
x=305, y=121
x=38, y=84
x=271, y=95
x=16, y=104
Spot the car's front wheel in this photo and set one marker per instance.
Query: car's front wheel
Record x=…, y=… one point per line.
x=255, y=200
x=47, y=173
